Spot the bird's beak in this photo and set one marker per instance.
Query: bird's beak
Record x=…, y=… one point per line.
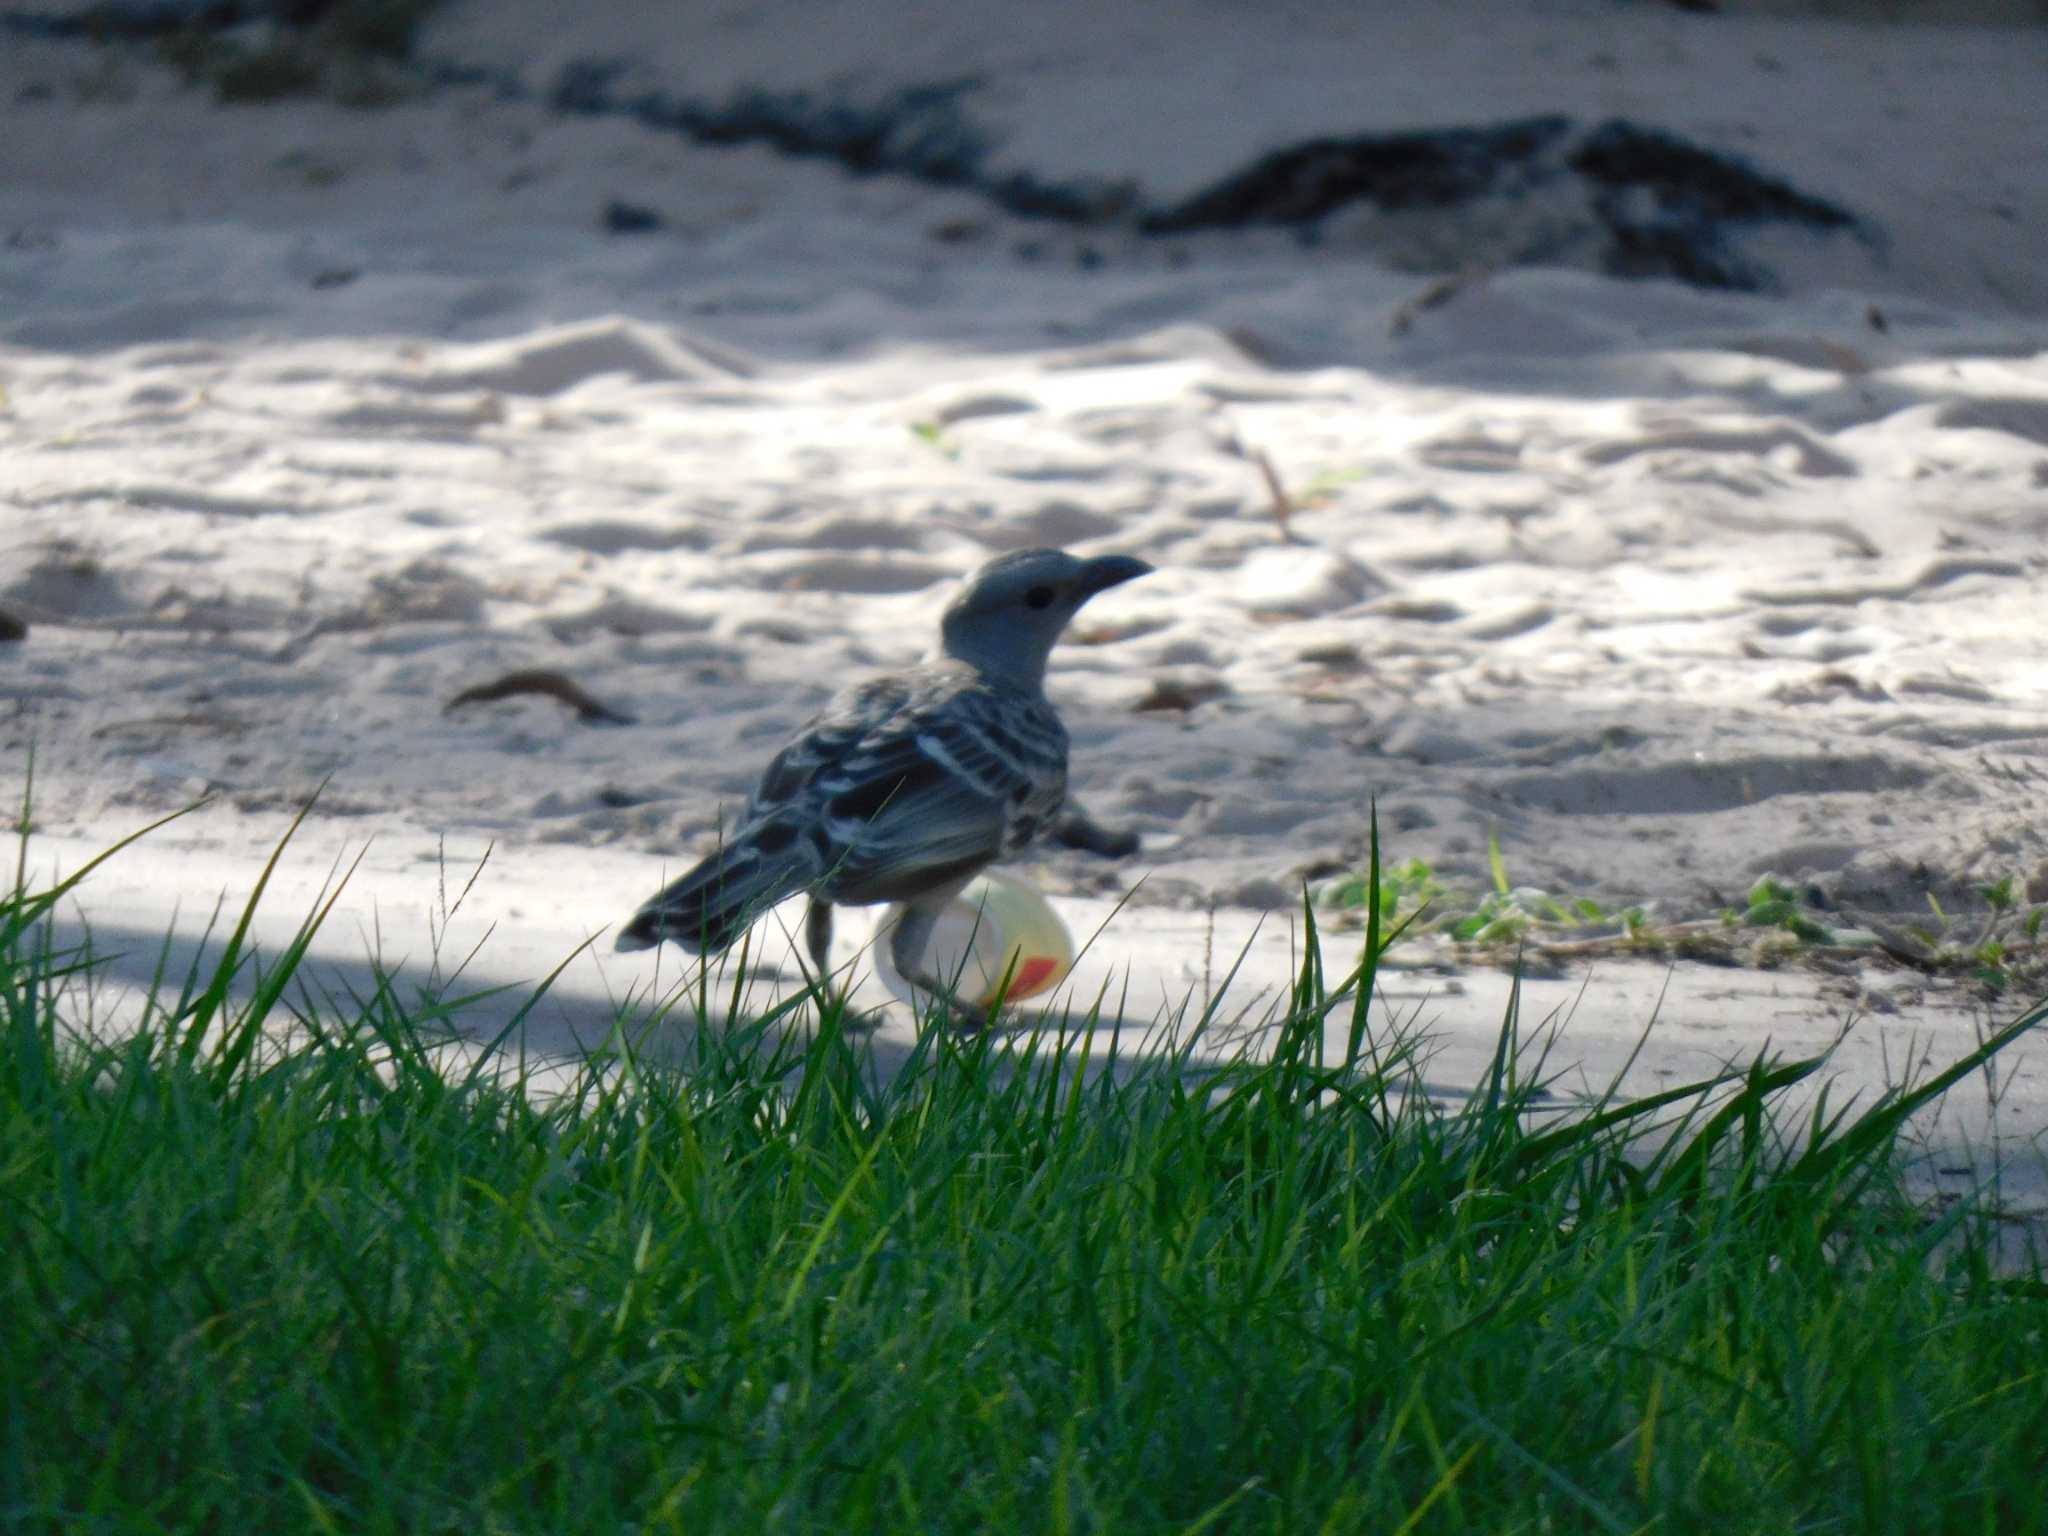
x=1107, y=571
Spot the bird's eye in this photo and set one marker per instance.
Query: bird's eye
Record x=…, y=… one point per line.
x=1038, y=597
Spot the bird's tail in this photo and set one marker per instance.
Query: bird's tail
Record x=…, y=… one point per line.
x=714, y=903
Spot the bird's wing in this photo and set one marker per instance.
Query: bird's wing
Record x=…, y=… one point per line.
x=830, y=738
x=916, y=776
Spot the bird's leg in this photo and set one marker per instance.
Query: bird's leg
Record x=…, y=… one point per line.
x=818, y=936
x=906, y=951
x=818, y=940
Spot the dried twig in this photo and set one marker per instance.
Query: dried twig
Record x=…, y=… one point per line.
x=1281, y=504
x=194, y=720
x=1435, y=296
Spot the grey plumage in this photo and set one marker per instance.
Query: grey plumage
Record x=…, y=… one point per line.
x=895, y=784
x=906, y=786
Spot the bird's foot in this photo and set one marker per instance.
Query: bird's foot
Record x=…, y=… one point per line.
x=963, y=1016
x=831, y=992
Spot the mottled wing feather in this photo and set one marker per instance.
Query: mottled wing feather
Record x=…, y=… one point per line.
x=925, y=771
x=1008, y=747
x=827, y=739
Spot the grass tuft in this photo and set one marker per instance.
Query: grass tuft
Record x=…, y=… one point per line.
x=267, y=1262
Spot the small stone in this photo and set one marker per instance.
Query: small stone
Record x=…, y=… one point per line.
x=2037, y=883
x=623, y=218
x=1182, y=693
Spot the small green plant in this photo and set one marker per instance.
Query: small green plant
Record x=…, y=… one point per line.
x=1773, y=904
x=1505, y=917
x=934, y=437
x=2002, y=947
x=1323, y=487
x=1404, y=891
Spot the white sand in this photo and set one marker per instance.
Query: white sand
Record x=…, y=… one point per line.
x=313, y=418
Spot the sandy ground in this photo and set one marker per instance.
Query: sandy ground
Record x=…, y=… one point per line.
x=313, y=418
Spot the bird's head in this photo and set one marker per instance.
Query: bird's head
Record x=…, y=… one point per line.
x=1005, y=622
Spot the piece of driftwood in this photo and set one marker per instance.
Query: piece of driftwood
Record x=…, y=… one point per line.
x=540, y=680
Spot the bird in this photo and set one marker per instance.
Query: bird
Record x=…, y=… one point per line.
x=906, y=786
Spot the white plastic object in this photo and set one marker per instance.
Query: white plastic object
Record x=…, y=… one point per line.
x=996, y=922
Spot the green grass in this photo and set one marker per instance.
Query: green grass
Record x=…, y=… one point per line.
x=268, y=1264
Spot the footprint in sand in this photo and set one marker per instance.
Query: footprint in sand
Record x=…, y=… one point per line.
x=844, y=574
x=2014, y=416
x=1697, y=787
x=549, y=362
x=1054, y=524
x=1797, y=451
